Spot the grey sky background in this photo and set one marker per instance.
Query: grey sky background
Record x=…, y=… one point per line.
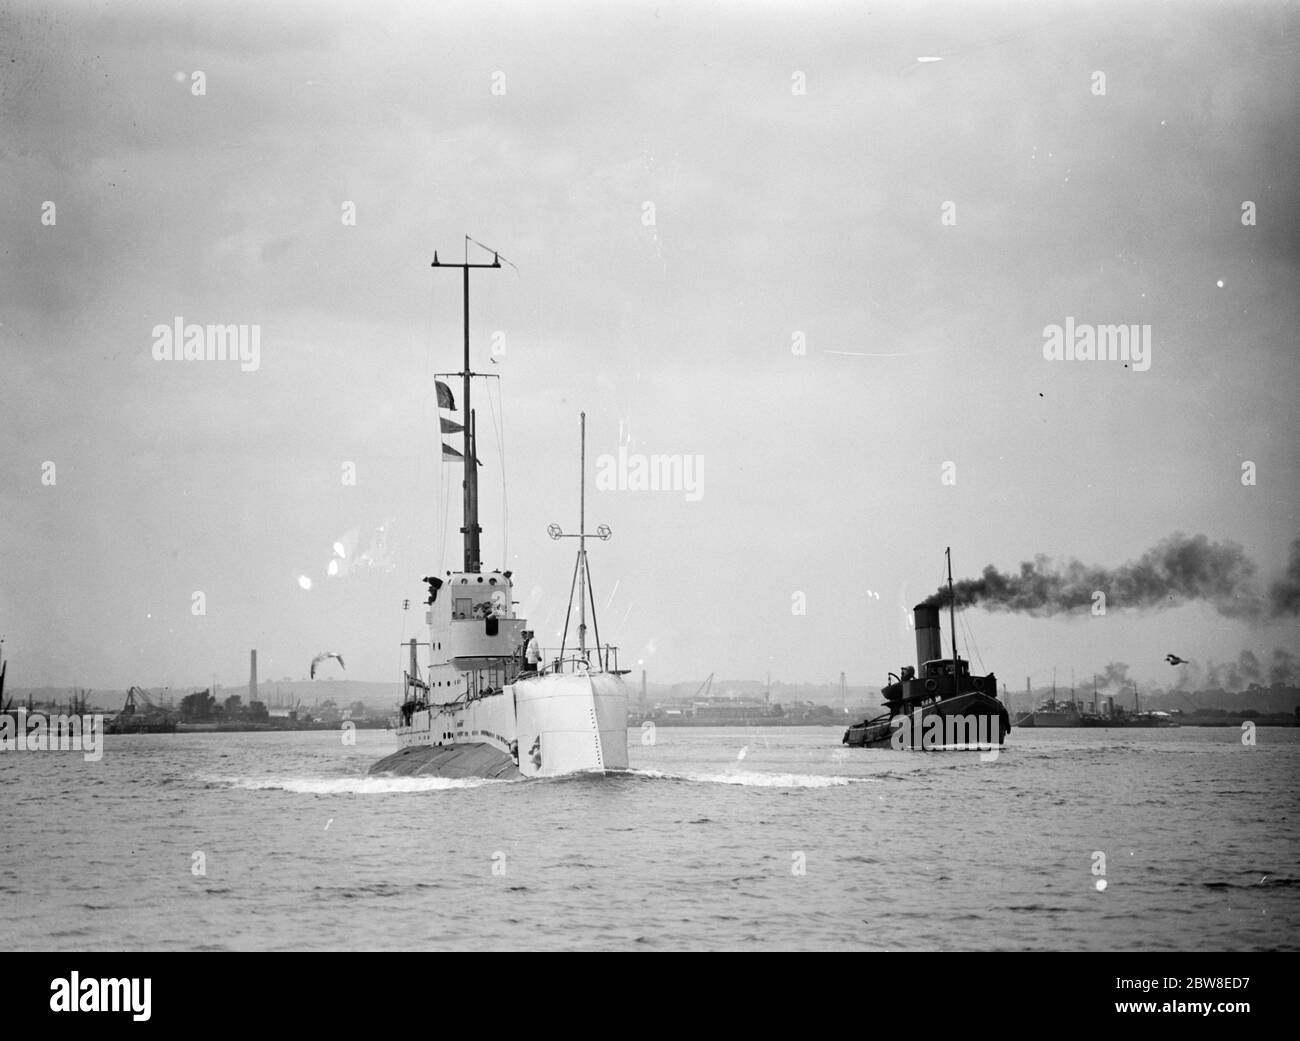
x=774, y=213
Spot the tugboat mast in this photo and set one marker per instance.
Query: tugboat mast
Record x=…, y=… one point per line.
x=952, y=622
x=471, y=530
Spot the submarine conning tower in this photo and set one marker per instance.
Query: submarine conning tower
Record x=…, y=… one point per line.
x=928, y=639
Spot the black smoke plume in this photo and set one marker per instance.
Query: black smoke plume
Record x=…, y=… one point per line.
x=1284, y=593
x=1180, y=569
x=1114, y=675
x=1283, y=668
x=1248, y=663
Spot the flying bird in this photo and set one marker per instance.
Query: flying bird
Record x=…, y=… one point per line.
x=1173, y=659
x=321, y=657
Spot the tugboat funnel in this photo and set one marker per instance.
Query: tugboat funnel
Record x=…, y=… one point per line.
x=928, y=640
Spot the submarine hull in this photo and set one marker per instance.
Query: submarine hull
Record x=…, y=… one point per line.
x=456, y=761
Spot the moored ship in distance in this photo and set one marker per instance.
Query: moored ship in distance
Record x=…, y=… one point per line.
x=1053, y=713
x=704, y=710
x=1131, y=719
x=720, y=712
x=141, y=715
x=481, y=705
x=937, y=705
x=1113, y=715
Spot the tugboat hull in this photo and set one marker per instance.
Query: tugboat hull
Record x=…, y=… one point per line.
x=971, y=720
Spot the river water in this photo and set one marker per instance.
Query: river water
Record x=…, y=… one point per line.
x=719, y=838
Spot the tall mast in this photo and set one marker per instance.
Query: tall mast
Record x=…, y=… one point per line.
x=582, y=535
x=471, y=529
x=581, y=572
x=952, y=622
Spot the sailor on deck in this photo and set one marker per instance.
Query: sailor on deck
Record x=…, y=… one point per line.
x=533, y=654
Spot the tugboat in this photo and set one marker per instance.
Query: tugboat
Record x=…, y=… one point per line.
x=939, y=704
x=486, y=702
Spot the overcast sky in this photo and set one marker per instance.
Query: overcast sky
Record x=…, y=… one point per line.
x=799, y=160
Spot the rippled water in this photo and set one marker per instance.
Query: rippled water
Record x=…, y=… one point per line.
x=700, y=846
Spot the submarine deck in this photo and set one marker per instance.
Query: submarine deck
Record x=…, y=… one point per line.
x=465, y=760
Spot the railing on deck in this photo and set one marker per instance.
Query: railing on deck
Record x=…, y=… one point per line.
x=597, y=659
